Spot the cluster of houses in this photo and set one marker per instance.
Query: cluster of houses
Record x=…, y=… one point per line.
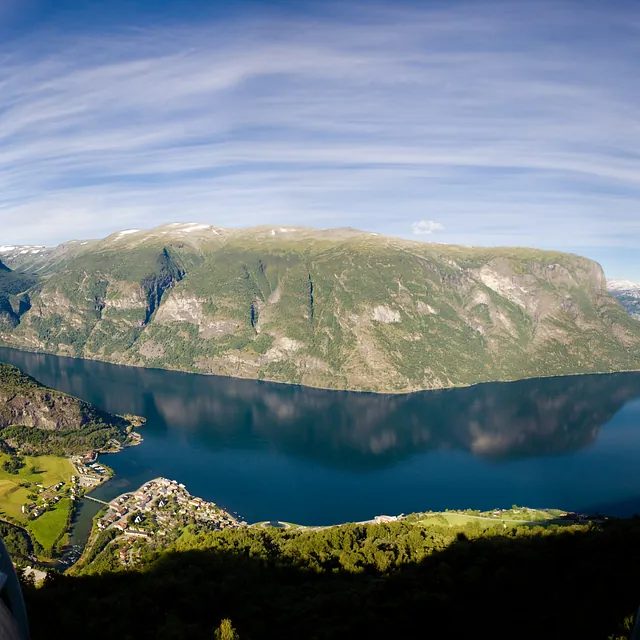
x=129, y=554
x=383, y=519
x=90, y=472
x=49, y=497
x=159, y=506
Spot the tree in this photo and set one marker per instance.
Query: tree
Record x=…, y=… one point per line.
x=27, y=578
x=13, y=464
x=226, y=631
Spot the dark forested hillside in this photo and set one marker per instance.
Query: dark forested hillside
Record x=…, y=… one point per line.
x=400, y=580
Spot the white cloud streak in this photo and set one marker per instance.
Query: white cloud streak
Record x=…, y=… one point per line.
x=426, y=227
x=516, y=124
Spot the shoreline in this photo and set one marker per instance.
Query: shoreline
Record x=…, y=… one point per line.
x=5, y=345
x=158, y=509
x=109, y=474
x=129, y=536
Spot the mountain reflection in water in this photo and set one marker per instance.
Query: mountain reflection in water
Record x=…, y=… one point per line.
x=348, y=432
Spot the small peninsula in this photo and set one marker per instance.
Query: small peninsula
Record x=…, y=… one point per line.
x=150, y=518
x=44, y=436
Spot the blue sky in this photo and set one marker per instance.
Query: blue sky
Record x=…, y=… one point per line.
x=480, y=123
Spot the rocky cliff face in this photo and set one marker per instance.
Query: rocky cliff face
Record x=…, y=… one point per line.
x=23, y=401
x=336, y=308
x=13, y=299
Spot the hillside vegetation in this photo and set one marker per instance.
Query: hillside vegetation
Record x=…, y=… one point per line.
x=335, y=309
x=400, y=580
x=38, y=420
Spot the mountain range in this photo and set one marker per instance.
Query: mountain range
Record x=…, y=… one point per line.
x=336, y=308
x=628, y=295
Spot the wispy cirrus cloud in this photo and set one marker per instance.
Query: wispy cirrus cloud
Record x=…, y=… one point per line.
x=517, y=124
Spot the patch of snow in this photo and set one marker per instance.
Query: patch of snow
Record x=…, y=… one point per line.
x=192, y=226
x=613, y=285
x=9, y=248
x=187, y=227
x=126, y=232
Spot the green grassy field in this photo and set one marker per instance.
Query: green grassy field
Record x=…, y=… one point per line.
x=44, y=470
x=47, y=528
x=486, y=520
x=49, y=470
x=12, y=497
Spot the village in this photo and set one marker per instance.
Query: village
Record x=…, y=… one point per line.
x=159, y=509
x=90, y=472
x=44, y=498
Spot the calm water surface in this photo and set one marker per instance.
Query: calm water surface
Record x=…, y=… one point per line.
x=281, y=452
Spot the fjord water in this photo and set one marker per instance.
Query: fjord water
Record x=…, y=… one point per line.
x=271, y=451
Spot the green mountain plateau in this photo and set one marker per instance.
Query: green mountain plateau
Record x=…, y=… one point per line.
x=338, y=308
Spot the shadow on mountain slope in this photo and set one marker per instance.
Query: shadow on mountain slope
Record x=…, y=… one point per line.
x=579, y=582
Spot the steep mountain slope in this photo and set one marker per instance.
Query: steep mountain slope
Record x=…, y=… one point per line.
x=337, y=308
x=13, y=299
x=25, y=401
x=41, y=420
x=628, y=295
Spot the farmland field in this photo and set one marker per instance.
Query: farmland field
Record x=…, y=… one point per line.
x=47, y=528
x=15, y=490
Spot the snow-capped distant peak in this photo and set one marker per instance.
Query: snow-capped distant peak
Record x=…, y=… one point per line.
x=622, y=285
x=9, y=248
x=185, y=227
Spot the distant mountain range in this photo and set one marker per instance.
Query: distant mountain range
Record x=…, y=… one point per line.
x=337, y=308
x=628, y=295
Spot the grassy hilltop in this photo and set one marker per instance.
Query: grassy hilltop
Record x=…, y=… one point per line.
x=337, y=308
